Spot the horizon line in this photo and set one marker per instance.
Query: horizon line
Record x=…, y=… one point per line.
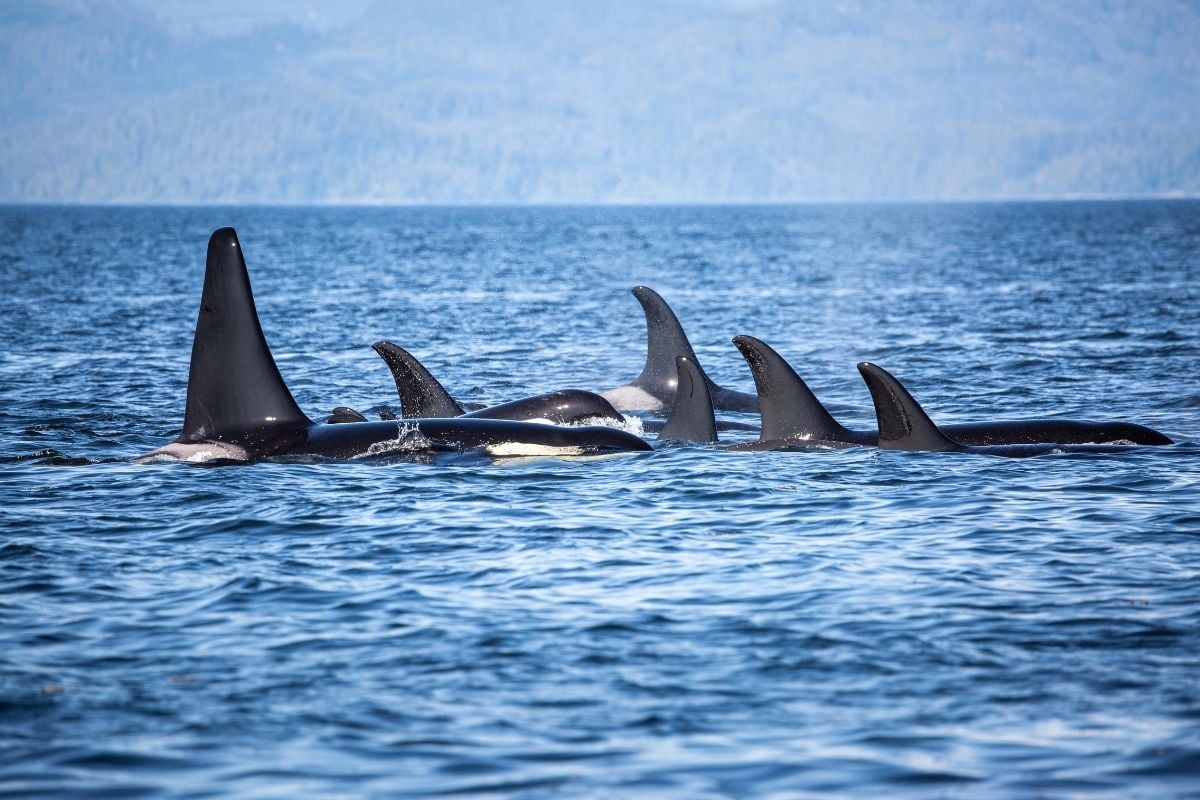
x=1078, y=197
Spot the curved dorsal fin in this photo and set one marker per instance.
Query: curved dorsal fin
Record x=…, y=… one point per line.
x=665, y=340
x=343, y=414
x=421, y=396
x=234, y=386
x=788, y=407
x=903, y=424
x=691, y=418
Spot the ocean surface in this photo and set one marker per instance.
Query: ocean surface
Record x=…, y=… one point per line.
x=691, y=622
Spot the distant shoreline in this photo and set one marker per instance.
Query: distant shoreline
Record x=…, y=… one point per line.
x=1065, y=198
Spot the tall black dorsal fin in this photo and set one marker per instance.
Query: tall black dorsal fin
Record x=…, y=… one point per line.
x=691, y=418
x=789, y=408
x=665, y=340
x=421, y=396
x=903, y=424
x=234, y=386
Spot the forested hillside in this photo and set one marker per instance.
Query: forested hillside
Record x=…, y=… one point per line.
x=620, y=101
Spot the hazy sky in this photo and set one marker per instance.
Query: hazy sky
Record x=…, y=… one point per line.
x=483, y=101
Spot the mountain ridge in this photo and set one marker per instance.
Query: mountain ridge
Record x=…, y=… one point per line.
x=540, y=102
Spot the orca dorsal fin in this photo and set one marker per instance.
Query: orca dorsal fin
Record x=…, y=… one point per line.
x=788, y=407
x=234, y=386
x=903, y=424
x=691, y=418
x=343, y=414
x=665, y=341
x=421, y=396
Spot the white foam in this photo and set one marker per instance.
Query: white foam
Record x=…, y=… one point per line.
x=409, y=439
x=629, y=424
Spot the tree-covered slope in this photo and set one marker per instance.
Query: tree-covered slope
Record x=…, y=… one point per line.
x=550, y=101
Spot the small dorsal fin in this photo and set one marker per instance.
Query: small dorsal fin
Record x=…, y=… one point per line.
x=903, y=424
x=234, y=386
x=421, y=396
x=691, y=417
x=665, y=340
x=789, y=408
x=344, y=414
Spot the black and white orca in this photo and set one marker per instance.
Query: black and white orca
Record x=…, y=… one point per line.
x=792, y=413
x=904, y=425
x=422, y=395
x=654, y=388
x=239, y=408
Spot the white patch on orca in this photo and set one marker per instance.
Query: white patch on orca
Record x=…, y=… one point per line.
x=517, y=449
x=197, y=453
x=631, y=398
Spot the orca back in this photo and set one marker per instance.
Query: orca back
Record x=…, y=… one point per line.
x=564, y=407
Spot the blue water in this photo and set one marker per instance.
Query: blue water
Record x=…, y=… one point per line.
x=683, y=623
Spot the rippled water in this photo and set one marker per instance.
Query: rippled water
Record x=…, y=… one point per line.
x=683, y=623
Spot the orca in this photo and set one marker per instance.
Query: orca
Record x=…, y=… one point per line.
x=904, y=425
x=654, y=388
x=421, y=395
x=791, y=412
x=691, y=418
x=239, y=408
